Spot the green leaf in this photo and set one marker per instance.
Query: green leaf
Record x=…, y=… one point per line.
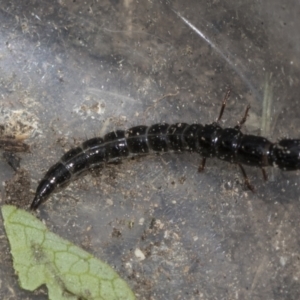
x=41, y=257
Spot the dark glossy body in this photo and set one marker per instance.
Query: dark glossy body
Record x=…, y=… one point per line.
x=228, y=144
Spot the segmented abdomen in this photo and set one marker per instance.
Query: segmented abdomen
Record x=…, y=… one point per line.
x=114, y=146
x=228, y=144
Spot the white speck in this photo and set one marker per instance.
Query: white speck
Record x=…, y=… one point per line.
x=109, y=202
x=283, y=260
x=139, y=254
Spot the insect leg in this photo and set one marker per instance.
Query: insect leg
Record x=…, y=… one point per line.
x=246, y=179
x=223, y=105
x=265, y=175
x=243, y=120
x=201, y=167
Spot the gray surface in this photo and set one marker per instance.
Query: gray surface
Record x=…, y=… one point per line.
x=79, y=70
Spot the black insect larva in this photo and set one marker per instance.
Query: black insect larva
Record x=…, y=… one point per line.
x=211, y=140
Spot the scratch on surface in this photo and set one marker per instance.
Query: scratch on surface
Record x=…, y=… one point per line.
x=224, y=55
x=258, y=274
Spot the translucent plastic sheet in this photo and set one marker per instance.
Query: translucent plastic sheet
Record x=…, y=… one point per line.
x=74, y=70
